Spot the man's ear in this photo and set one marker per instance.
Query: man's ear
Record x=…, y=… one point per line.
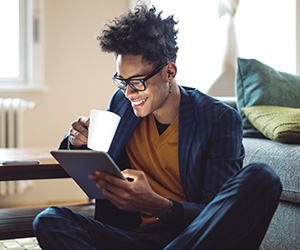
x=171, y=70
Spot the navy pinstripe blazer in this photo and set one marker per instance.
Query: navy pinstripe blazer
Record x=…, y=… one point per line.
x=210, y=150
x=210, y=144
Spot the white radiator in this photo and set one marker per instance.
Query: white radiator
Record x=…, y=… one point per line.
x=11, y=136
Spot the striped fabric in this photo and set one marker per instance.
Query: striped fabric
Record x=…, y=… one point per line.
x=228, y=207
x=210, y=144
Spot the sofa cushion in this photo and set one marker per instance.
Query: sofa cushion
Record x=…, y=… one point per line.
x=283, y=158
x=259, y=84
x=280, y=124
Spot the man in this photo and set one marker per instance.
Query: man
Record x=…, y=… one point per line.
x=181, y=150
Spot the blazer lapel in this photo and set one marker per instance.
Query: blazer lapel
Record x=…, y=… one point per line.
x=187, y=126
x=127, y=125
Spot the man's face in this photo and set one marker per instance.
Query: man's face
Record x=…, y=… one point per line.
x=154, y=98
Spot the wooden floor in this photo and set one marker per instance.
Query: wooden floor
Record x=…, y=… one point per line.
x=20, y=244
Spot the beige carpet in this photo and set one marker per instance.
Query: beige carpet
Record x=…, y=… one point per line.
x=20, y=244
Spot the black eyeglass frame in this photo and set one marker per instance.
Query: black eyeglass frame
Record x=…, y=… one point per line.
x=127, y=81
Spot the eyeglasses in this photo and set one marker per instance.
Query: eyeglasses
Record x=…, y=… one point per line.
x=135, y=84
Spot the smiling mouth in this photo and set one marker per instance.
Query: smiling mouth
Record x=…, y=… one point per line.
x=139, y=102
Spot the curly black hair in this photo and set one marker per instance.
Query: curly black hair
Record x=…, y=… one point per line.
x=142, y=32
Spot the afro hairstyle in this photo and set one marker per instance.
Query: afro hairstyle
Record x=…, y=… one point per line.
x=141, y=32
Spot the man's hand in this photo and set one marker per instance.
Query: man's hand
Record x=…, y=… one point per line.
x=78, y=134
x=134, y=195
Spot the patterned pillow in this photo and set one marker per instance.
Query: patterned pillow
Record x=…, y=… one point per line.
x=259, y=84
x=280, y=124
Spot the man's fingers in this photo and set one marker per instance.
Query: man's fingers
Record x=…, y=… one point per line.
x=78, y=134
x=110, y=183
x=110, y=178
x=81, y=125
x=76, y=138
x=132, y=174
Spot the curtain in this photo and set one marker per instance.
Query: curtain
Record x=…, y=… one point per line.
x=227, y=11
x=224, y=84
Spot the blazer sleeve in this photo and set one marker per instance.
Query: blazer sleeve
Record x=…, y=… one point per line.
x=225, y=155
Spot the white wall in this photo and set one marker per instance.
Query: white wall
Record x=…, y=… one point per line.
x=78, y=76
x=77, y=73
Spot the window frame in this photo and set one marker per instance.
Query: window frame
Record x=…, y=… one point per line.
x=30, y=51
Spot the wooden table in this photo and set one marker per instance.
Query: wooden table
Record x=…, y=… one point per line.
x=48, y=168
x=17, y=222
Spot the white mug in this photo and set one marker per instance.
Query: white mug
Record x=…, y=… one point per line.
x=102, y=128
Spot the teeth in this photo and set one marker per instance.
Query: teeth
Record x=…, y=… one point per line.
x=139, y=102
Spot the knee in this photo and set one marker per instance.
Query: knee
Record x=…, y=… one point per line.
x=264, y=177
x=41, y=221
x=259, y=170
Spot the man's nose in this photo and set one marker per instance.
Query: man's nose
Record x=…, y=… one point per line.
x=129, y=91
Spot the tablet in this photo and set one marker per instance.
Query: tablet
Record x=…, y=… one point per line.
x=80, y=163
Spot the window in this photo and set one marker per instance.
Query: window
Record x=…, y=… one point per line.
x=266, y=30
x=197, y=40
x=20, y=45
x=10, y=37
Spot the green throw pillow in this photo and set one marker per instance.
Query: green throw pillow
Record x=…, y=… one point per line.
x=280, y=124
x=259, y=84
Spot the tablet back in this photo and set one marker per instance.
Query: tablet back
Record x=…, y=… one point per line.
x=80, y=163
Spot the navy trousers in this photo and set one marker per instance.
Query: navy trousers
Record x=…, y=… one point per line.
x=237, y=218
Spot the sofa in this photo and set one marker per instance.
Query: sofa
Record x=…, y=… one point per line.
x=284, y=230
x=269, y=104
